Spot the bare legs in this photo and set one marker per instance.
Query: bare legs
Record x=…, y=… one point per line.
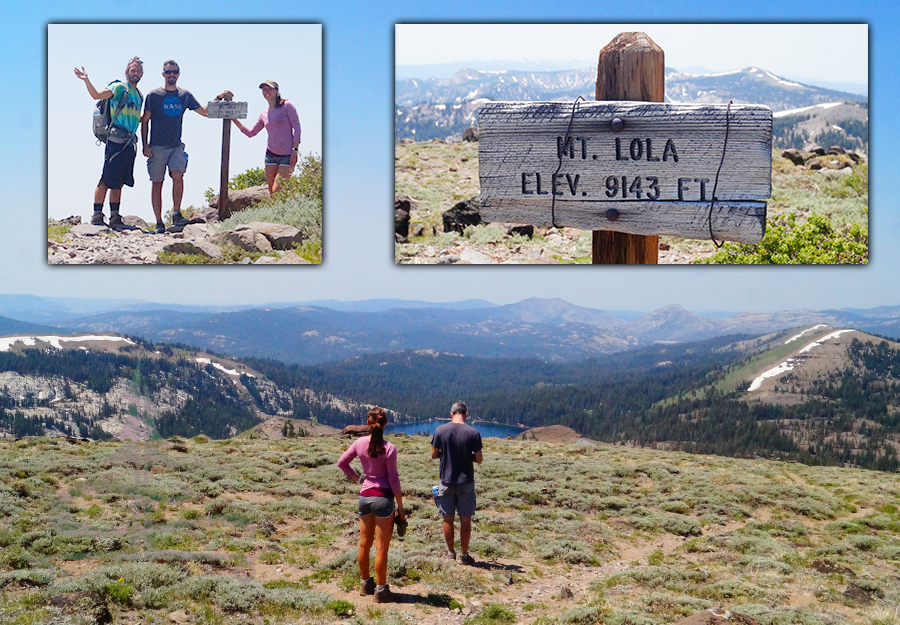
x=177, y=193
x=465, y=532
x=274, y=175
x=373, y=529
x=115, y=195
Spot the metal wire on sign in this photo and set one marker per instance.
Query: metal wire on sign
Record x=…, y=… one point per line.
x=718, y=171
x=558, y=167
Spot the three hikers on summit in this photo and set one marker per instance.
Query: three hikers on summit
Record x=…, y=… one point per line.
x=162, y=121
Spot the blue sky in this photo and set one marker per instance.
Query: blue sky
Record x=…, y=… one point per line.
x=357, y=144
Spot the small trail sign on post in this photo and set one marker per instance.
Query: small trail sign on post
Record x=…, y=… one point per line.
x=640, y=168
x=226, y=111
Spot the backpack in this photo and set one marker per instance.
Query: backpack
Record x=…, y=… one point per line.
x=102, y=121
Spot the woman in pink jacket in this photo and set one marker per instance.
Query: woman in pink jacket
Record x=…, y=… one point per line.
x=379, y=488
x=282, y=122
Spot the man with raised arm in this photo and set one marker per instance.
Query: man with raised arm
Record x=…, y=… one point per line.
x=458, y=446
x=165, y=107
x=118, y=161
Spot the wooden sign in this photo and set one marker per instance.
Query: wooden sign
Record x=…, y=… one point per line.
x=635, y=167
x=226, y=110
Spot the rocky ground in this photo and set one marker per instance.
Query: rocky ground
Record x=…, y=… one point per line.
x=201, y=241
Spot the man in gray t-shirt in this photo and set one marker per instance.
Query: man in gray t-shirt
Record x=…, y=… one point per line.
x=163, y=111
x=458, y=446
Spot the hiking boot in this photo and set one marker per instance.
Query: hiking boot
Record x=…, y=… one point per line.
x=384, y=595
x=467, y=559
x=97, y=219
x=115, y=221
x=179, y=220
x=450, y=555
x=160, y=227
x=367, y=587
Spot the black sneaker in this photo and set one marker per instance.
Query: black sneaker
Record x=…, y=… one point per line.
x=115, y=221
x=467, y=559
x=401, y=524
x=97, y=219
x=160, y=227
x=367, y=587
x=385, y=595
x=179, y=220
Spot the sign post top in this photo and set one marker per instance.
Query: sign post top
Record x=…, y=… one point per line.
x=226, y=110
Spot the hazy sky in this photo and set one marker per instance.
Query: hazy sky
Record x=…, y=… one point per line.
x=357, y=146
x=785, y=49
x=212, y=58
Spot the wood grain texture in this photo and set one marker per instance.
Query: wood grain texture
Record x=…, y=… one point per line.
x=630, y=67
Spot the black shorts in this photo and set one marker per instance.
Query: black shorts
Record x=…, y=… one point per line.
x=118, y=165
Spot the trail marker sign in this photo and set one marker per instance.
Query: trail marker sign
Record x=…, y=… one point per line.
x=635, y=167
x=226, y=110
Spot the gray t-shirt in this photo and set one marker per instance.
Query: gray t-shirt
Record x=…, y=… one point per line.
x=457, y=443
x=166, y=112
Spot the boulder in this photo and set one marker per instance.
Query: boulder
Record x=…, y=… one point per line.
x=74, y=220
x=416, y=230
x=399, y=238
x=292, y=259
x=249, y=240
x=240, y=199
x=465, y=213
x=794, y=155
x=133, y=221
x=526, y=230
x=856, y=158
x=401, y=222
x=88, y=230
x=816, y=149
x=355, y=431
x=281, y=236
x=836, y=149
x=196, y=231
x=199, y=247
x=471, y=134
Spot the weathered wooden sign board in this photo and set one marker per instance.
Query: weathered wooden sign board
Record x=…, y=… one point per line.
x=226, y=110
x=635, y=167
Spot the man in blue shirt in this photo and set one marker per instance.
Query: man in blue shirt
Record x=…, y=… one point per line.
x=458, y=446
x=165, y=106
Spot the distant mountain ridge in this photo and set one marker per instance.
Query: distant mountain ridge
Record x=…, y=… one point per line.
x=444, y=108
x=546, y=329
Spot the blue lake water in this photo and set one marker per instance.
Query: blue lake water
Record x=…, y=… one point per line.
x=487, y=430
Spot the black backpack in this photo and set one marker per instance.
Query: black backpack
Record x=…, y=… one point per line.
x=102, y=120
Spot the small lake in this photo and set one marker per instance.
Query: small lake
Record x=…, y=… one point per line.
x=487, y=430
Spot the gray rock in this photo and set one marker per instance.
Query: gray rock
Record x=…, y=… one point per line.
x=196, y=231
x=135, y=222
x=280, y=236
x=74, y=220
x=465, y=213
x=240, y=199
x=474, y=257
x=816, y=149
x=246, y=239
x=88, y=230
x=416, y=230
x=794, y=155
x=471, y=134
x=292, y=259
x=199, y=246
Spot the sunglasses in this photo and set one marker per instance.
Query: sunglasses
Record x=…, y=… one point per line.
x=171, y=72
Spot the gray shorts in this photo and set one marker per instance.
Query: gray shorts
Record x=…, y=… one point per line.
x=174, y=158
x=382, y=507
x=455, y=498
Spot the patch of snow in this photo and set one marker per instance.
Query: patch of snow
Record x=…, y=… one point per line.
x=789, y=363
x=55, y=340
x=812, y=329
x=833, y=335
x=222, y=368
x=823, y=106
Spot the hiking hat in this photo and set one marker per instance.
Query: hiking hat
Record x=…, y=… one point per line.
x=269, y=82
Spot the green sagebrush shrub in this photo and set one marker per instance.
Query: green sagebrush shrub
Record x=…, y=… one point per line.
x=815, y=241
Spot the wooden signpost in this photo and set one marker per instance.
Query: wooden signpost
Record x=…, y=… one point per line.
x=637, y=168
x=226, y=111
